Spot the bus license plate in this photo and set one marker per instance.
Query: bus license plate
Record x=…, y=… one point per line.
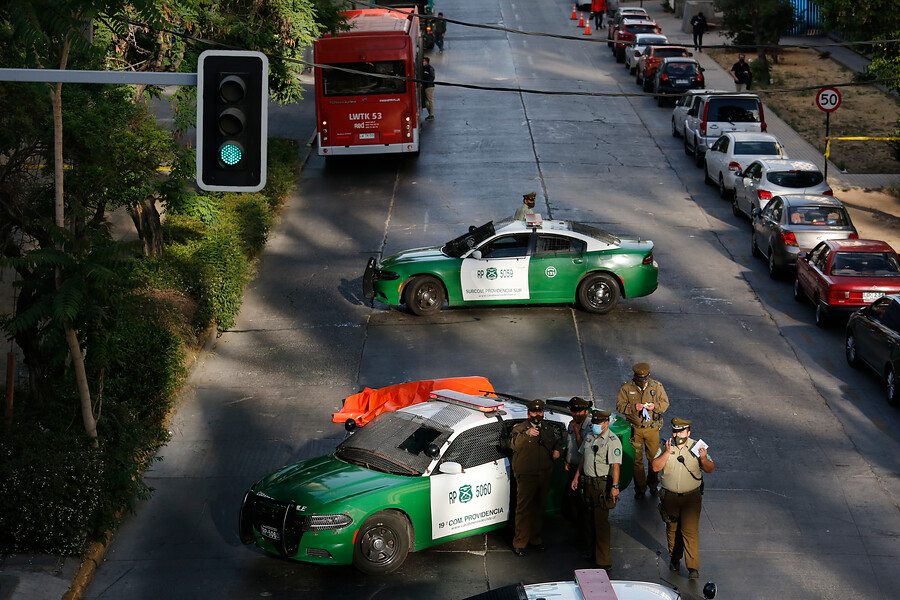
x=270, y=532
x=367, y=136
x=682, y=81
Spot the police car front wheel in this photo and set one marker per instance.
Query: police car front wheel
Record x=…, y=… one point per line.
x=382, y=543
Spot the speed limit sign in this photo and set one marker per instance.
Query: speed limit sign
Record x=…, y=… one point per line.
x=828, y=99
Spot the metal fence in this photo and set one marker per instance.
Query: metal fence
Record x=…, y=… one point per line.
x=809, y=18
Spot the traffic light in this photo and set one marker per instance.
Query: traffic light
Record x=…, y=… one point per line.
x=232, y=120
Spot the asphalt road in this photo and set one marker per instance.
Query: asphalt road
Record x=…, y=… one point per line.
x=804, y=500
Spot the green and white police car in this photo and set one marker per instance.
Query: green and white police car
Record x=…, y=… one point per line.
x=412, y=478
x=517, y=262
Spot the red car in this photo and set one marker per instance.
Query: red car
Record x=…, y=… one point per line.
x=649, y=62
x=624, y=35
x=842, y=276
x=622, y=14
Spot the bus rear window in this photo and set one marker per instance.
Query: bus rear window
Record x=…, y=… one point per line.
x=340, y=83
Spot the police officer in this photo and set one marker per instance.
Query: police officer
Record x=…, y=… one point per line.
x=535, y=446
x=598, y=476
x=681, y=495
x=527, y=206
x=576, y=430
x=642, y=401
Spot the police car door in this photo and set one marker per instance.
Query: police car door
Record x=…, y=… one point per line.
x=479, y=496
x=557, y=265
x=500, y=271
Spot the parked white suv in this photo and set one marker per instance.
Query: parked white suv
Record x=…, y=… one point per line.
x=690, y=100
x=711, y=115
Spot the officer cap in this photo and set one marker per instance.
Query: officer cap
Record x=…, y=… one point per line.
x=679, y=424
x=598, y=416
x=641, y=369
x=535, y=405
x=578, y=403
x=529, y=196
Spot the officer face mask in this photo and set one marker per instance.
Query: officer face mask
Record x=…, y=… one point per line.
x=680, y=441
x=535, y=418
x=597, y=429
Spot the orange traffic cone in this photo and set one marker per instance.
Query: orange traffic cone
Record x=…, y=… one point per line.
x=587, y=27
x=581, y=20
x=574, y=16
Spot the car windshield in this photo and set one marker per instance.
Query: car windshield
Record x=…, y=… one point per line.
x=681, y=69
x=651, y=39
x=762, y=148
x=865, y=264
x=733, y=110
x=394, y=442
x=832, y=216
x=459, y=246
x=795, y=178
x=597, y=234
x=640, y=28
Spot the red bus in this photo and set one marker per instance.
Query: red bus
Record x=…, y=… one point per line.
x=358, y=113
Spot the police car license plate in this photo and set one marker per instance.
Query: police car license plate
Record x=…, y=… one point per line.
x=367, y=136
x=871, y=296
x=270, y=532
x=682, y=81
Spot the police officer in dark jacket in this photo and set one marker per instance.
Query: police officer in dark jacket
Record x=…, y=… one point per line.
x=535, y=447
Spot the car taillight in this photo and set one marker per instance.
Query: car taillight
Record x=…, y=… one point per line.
x=703, y=128
x=764, y=195
x=648, y=259
x=762, y=119
x=663, y=77
x=700, y=77
x=734, y=166
x=838, y=295
x=828, y=193
x=788, y=239
x=853, y=236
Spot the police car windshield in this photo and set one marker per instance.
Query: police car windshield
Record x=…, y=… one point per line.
x=395, y=442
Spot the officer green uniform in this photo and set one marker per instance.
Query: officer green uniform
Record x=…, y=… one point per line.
x=645, y=424
x=535, y=446
x=681, y=497
x=598, y=476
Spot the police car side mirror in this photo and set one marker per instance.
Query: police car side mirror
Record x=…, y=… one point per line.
x=709, y=590
x=476, y=254
x=432, y=451
x=350, y=425
x=451, y=468
x=802, y=254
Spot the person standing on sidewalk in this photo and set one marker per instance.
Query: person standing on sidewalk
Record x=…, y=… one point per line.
x=428, y=87
x=642, y=401
x=440, y=28
x=740, y=71
x=699, y=27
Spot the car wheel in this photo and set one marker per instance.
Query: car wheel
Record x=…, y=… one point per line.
x=620, y=54
x=687, y=148
x=890, y=386
x=850, y=349
x=382, y=544
x=660, y=100
x=706, y=178
x=648, y=85
x=675, y=133
x=698, y=156
x=632, y=70
x=821, y=314
x=637, y=77
x=425, y=295
x=754, y=249
x=735, y=210
x=774, y=271
x=723, y=191
x=798, y=292
x=599, y=293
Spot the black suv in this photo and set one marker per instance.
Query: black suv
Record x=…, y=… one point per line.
x=677, y=75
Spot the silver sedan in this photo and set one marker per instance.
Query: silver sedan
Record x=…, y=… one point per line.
x=767, y=177
x=790, y=224
x=641, y=41
x=735, y=150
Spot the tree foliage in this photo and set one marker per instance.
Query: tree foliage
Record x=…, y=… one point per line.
x=757, y=23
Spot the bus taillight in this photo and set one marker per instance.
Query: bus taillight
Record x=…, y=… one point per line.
x=324, y=131
x=408, y=126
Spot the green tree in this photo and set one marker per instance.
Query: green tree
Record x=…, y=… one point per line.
x=757, y=23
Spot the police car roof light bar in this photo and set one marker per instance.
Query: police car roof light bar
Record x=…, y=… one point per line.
x=479, y=403
x=533, y=220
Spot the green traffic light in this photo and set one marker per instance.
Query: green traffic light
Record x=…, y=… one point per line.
x=230, y=154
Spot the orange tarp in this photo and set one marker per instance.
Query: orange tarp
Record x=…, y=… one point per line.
x=369, y=403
